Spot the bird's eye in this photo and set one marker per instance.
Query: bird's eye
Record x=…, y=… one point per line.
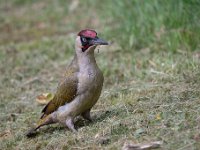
x=84, y=39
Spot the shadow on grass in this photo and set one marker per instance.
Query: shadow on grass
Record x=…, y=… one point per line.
x=79, y=123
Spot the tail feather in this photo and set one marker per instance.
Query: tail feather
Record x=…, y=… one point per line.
x=44, y=121
x=49, y=108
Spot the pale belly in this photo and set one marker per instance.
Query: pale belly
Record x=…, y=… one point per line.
x=89, y=90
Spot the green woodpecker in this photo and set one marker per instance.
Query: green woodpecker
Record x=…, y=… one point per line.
x=81, y=87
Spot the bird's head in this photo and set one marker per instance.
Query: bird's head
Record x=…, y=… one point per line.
x=87, y=40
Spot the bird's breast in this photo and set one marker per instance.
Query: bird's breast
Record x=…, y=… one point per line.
x=90, y=82
x=90, y=79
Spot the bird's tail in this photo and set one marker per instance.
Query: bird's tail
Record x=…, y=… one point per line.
x=44, y=121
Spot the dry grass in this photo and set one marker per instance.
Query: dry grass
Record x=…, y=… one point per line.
x=149, y=94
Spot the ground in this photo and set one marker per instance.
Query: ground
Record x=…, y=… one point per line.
x=151, y=68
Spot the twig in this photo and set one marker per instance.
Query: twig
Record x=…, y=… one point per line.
x=146, y=146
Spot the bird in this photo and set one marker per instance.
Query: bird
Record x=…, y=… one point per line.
x=80, y=88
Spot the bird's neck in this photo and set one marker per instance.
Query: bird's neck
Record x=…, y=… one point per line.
x=86, y=61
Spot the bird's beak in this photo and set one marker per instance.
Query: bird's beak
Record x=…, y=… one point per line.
x=98, y=41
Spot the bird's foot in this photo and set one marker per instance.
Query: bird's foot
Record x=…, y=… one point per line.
x=86, y=115
x=70, y=124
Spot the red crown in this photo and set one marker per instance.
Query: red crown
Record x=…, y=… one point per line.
x=88, y=33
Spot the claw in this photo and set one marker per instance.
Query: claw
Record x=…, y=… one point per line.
x=70, y=124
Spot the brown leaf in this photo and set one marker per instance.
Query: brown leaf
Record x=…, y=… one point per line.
x=5, y=134
x=158, y=116
x=196, y=137
x=44, y=98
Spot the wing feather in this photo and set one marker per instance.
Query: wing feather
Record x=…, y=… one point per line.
x=66, y=90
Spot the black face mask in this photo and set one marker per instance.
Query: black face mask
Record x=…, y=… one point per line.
x=85, y=41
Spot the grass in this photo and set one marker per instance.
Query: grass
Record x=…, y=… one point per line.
x=151, y=69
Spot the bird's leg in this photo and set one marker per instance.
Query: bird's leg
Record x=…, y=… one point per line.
x=86, y=115
x=70, y=124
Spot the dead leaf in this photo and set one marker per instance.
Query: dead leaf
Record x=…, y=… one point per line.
x=5, y=134
x=196, y=137
x=158, y=116
x=44, y=98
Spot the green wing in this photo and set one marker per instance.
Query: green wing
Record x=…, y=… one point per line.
x=66, y=90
